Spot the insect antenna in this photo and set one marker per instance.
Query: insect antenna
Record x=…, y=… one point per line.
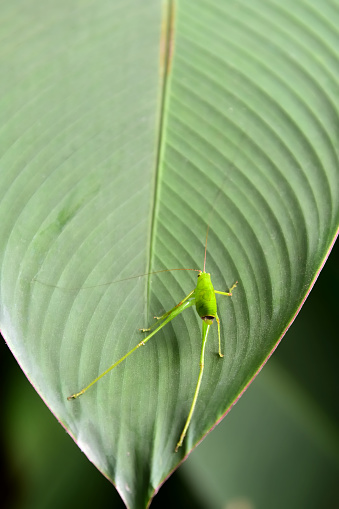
x=107, y=283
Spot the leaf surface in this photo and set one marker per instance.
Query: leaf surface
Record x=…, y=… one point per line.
x=115, y=156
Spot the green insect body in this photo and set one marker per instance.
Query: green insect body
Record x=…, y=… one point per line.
x=203, y=297
x=205, y=301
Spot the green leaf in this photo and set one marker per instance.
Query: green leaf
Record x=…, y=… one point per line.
x=114, y=158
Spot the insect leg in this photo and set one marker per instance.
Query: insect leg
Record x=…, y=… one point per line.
x=175, y=312
x=229, y=294
x=165, y=315
x=205, y=329
x=219, y=340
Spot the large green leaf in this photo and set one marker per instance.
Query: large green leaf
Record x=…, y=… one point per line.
x=115, y=155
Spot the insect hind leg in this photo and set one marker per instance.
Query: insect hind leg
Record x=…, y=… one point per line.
x=165, y=315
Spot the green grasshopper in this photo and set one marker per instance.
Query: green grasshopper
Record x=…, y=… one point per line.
x=203, y=297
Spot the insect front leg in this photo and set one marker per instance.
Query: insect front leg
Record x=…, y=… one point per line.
x=228, y=294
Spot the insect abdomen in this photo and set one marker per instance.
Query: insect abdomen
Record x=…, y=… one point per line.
x=205, y=301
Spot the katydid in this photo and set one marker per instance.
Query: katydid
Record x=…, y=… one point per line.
x=203, y=297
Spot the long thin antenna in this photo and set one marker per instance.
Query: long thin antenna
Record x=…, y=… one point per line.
x=208, y=227
x=110, y=282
